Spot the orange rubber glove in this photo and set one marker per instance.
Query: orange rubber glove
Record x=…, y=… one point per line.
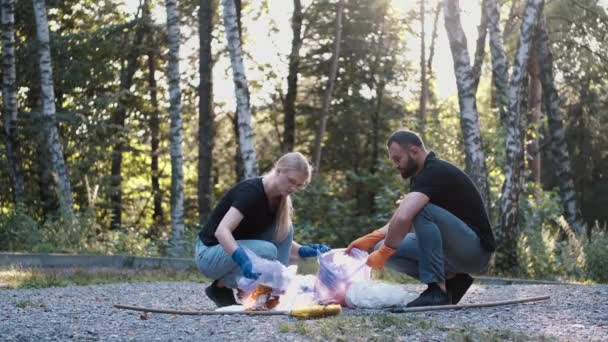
x=378, y=258
x=366, y=242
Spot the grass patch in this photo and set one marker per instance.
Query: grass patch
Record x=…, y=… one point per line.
x=390, y=327
x=23, y=304
x=18, y=277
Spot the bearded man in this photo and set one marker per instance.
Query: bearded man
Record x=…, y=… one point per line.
x=440, y=233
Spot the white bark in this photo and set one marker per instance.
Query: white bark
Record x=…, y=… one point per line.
x=469, y=118
x=318, y=147
x=48, y=108
x=500, y=65
x=241, y=90
x=9, y=96
x=175, y=134
x=509, y=208
x=559, y=148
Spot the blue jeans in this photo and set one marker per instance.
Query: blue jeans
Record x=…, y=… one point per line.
x=441, y=244
x=215, y=263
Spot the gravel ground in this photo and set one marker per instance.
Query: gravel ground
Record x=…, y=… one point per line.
x=85, y=313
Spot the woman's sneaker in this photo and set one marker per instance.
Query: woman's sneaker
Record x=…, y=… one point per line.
x=221, y=296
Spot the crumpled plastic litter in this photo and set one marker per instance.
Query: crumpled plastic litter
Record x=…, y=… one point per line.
x=376, y=295
x=273, y=274
x=337, y=271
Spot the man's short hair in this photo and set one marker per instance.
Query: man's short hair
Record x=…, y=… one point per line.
x=404, y=138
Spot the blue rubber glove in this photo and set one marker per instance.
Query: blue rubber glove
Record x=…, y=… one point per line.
x=312, y=250
x=240, y=258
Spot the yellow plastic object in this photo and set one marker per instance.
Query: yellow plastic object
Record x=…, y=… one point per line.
x=316, y=311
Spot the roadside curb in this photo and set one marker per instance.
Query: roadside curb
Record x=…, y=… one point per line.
x=92, y=260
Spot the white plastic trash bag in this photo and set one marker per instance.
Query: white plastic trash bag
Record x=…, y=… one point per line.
x=273, y=274
x=375, y=295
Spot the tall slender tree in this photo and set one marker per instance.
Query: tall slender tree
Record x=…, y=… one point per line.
x=467, y=86
x=154, y=140
x=205, y=108
x=119, y=116
x=289, y=105
x=559, y=149
x=500, y=65
x=241, y=90
x=48, y=109
x=333, y=71
x=424, y=85
x=175, y=134
x=9, y=97
x=509, y=203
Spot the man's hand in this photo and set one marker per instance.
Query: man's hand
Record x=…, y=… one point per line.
x=366, y=242
x=378, y=258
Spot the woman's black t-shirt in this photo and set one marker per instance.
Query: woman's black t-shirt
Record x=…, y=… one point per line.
x=250, y=199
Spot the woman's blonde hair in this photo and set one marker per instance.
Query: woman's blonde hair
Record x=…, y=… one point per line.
x=292, y=161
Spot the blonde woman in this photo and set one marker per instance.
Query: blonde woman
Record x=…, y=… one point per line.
x=255, y=214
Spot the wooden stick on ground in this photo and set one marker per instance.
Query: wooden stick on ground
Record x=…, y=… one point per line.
x=308, y=312
x=469, y=306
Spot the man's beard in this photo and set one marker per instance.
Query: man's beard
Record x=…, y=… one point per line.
x=409, y=171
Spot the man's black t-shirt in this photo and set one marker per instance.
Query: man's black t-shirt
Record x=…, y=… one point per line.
x=450, y=188
x=250, y=199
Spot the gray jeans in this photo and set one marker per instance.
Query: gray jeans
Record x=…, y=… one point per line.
x=215, y=263
x=441, y=243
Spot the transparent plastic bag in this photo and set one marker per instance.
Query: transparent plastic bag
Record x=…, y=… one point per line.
x=273, y=274
x=337, y=271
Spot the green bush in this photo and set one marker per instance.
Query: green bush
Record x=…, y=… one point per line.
x=596, y=261
x=18, y=231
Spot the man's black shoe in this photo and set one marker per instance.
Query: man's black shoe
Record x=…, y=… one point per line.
x=458, y=286
x=221, y=296
x=433, y=295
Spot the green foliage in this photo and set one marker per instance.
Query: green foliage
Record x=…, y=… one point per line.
x=18, y=231
x=548, y=248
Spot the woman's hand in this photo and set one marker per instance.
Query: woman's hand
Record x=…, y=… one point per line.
x=313, y=250
x=240, y=258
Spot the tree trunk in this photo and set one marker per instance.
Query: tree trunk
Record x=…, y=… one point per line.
x=246, y=138
x=175, y=134
x=155, y=143
x=9, y=97
x=534, y=116
x=206, y=115
x=469, y=118
x=48, y=110
x=434, y=38
x=507, y=232
x=500, y=65
x=480, y=48
x=328, y=91
x=559, y=148
x=423, y=78
x=292, y=79
x=118, y=122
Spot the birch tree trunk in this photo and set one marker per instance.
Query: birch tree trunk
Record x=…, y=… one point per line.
x=480, y=48
x=48, y=109
x=241, y=90
x=328, y=90
x=423, y=78
x=239, y=168
x=175, y=135
x=292, y=79
x=466, y=84
x=205, y=107
x=155, y=142
x=500, y=65
x=559, y=148
x=506, y=257
x=9, y=97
